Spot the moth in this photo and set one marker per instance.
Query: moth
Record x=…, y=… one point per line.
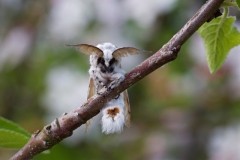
x=105, y=74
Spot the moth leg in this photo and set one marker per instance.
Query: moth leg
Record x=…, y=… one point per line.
x=87, y=124
x=117, y=96
x=101, y=91
x=117, y=79
x=91, y=92
x=99, y=81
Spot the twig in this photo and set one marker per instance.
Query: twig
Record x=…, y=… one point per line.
x=63, y=126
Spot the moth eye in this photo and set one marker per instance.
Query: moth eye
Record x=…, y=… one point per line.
x=113, y=60
x=103, y=70
x=100, y=61
x=111, y=69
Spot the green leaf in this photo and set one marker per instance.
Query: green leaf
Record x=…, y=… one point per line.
x=11, y=134
x=219, y=37
x=12, y=139
x=238, y=3
x=9, y=125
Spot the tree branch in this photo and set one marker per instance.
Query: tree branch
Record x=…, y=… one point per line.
x=63, y=126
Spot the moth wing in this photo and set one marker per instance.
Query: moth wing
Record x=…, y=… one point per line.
x=91, y=88
x=91, y=92
x=125, y=51
x=127, y=109
x=87, y=49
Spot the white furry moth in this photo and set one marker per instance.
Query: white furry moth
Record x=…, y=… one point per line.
x=106, y=73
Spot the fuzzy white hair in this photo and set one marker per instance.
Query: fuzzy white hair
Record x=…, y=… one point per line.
x=113, y=119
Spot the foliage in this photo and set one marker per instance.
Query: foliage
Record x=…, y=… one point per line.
x=238, y=3
x=11, y=134
x=219, y=36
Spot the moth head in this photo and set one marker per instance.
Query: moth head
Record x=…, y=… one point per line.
x=107, y=57
x=112, y=54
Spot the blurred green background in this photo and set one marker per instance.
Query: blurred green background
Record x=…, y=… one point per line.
x=179, y=112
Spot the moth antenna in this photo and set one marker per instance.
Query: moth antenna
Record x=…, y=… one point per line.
x=87, y=49
x=125, y=51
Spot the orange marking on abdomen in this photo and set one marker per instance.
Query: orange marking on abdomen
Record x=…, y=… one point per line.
x=113, y=112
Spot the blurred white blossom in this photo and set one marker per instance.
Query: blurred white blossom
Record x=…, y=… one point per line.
x=233, y=60
x=197, y=50
x=145, y=12
x=11, y=3
x=66, y=90
x=155, y=147
x=68, y=18
x=15, y=46
x=224, y=143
